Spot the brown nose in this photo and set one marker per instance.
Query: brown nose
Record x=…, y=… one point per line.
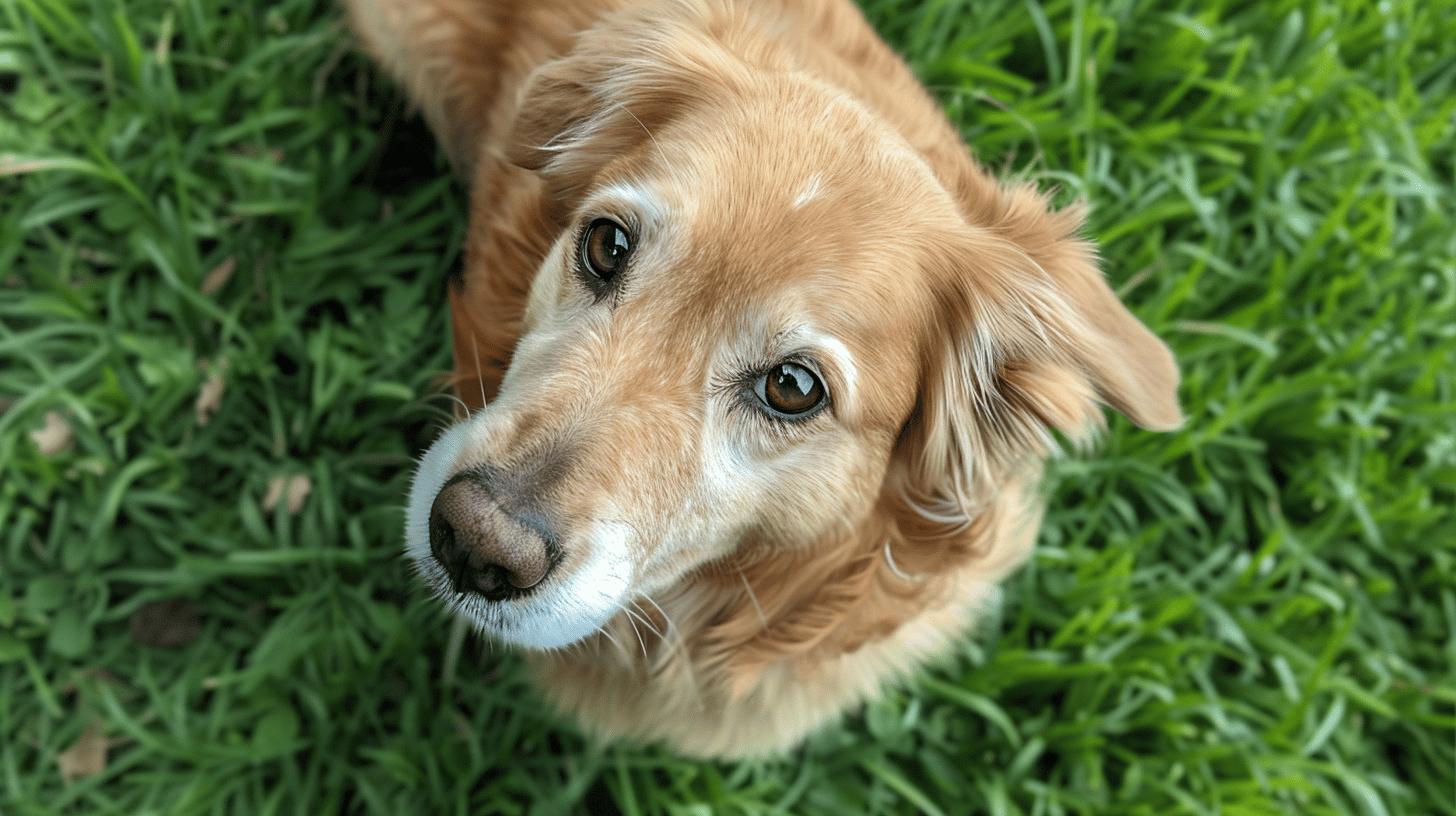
x=485, y=549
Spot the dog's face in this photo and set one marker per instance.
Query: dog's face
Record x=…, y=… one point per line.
x=761, y=319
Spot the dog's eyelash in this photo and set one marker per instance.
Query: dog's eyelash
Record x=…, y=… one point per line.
x=738, y=390
x=781, y=428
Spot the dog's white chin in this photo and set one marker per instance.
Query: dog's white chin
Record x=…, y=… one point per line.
x=561, y=612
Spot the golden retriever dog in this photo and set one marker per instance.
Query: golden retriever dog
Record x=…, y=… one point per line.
x=762, y=365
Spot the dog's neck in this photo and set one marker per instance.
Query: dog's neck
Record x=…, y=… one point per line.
x=746, y=653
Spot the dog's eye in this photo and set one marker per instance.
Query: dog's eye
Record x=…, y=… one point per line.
x=604, y=249
x=790, y=389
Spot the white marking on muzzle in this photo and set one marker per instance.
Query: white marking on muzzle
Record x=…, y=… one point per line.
x=564, y=610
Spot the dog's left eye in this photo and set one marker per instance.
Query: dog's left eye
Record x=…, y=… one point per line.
x=790, y=390
x=604, y=249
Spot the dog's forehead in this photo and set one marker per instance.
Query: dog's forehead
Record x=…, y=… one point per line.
x=786, y=254
x=788, y=145
x=812, y=185
x=733, y=219
x=771, y=222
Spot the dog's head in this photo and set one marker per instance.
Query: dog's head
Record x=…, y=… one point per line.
x=756, y=318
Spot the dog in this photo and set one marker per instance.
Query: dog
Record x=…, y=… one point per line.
x=762, y=365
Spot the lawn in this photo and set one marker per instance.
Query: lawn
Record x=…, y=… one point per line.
x=223, y=245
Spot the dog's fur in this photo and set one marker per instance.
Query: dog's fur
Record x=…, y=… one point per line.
x=729, y=582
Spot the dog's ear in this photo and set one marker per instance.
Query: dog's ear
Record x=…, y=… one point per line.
x=622, y=81
x=1029, y=338
x=622, y=76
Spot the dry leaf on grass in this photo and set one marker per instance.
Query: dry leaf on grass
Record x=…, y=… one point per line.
x=295, y=488
x=86, y=758
x=54, y=436
x=219, y=276
x=13, y=165
x=209, y=397
x=165, y=624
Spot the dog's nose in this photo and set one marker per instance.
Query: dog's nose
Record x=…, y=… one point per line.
x=484, y=549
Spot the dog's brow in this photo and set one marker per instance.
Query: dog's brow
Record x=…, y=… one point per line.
x=837, y=352
x=642, y=199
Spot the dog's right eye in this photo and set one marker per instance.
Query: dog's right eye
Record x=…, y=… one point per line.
x=605, y=246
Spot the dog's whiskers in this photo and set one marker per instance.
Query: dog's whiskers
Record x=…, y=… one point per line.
x=647, y=621
x=658, y=607
x=479, y=377
x=439, y=414
x=631, y=620
x=451, y=397
x=462, y=408
x=602, y=630
x=636, y=612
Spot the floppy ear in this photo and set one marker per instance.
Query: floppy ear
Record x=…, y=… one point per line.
x=1030, y=338
x=570, y=123
x=625, y=78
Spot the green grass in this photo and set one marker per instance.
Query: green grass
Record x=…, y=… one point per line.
x=1252, y=616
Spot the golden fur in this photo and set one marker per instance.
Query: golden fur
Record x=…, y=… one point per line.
x=789, y=172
